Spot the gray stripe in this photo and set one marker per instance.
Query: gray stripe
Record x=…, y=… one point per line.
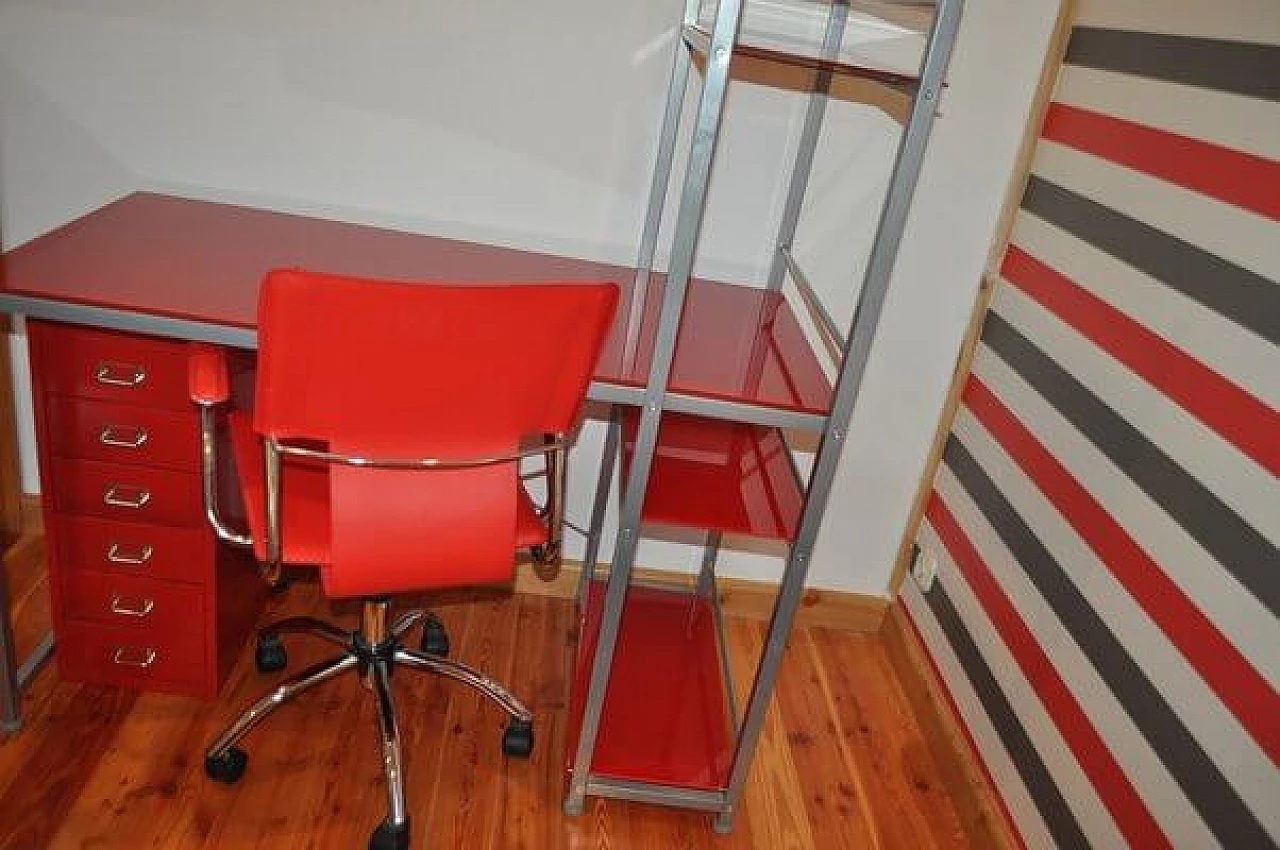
x=1057, y=815
x=1237, y=67
x=1223, y=811
x=1238, y=546
x=1248, y=299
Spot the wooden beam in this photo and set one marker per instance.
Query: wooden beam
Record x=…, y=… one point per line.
x=987, y=289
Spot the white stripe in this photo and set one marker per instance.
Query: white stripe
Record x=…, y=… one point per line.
x=1118, y=730
x=1236, y=234
x=1013, y=791
x=1230, y=120
x=1227, y=743
x=1222, y=345
x=1232, y=20
x=1233, y=610
x=1078, y=792
x=1241, y=483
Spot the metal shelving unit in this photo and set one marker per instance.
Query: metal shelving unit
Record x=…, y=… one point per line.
x=653, y=713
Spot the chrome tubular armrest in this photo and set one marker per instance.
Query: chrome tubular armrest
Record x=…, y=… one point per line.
x=415, y=463
x=553, y=510
x=209, y=478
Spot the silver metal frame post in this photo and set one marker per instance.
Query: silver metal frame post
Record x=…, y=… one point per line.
x=667, y=138
x=797, y=187
x=600, y=507
x=688, y=224
x=708, y=589
x=889, y=232
x=807, y=146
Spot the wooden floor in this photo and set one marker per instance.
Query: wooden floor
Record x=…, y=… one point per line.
x=841, y=763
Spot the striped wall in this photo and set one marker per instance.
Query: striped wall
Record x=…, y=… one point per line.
x=1107, y=513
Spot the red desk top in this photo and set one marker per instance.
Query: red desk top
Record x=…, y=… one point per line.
x=149, y=255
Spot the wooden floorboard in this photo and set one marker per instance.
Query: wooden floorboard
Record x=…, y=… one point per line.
x=841, y=764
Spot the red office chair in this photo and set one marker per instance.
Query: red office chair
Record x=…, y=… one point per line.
x=387, y=428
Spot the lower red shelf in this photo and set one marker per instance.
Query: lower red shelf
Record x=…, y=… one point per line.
x=711, y=473
x=665, y=719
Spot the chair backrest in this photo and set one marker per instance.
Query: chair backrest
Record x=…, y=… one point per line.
x=387, y=369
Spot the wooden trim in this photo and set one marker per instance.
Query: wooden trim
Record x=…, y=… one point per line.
x=982, y=815
x=968, y=350
x=31, y=510
x=986, y=291
x=741, y=598
x=1057, y=50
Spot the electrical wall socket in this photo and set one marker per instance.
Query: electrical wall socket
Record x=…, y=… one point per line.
x=924, y=568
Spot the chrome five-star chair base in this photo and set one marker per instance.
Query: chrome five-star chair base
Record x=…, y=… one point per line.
x=373, y=652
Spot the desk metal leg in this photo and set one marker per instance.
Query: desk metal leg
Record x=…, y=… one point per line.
x=10, y=719
x=13, y=678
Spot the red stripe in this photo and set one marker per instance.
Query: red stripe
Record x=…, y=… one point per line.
x=1239, y=178
x=1117, y=794
x=1243, y=690
x=945, y=691
x=1247, y=422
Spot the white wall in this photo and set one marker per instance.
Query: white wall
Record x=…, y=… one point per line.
x=530, y=125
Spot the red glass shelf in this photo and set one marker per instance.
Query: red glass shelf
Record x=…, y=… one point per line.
x=736, y=343
x=178, y=258
x=714, y=474
x=665, y=719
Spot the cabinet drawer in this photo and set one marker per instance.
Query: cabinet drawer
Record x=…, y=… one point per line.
x=120, y=600
x=129, y=493
x=133, y=656
x=159, y=551
x=111, y=366
x=123, y=433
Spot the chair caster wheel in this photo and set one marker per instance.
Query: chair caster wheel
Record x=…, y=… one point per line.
x=269, y=656
x=228, y=767
x=517, y=740
x=390, y=837
x=435, y=640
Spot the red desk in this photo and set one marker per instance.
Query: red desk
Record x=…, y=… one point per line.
x=127, y=285
x=190, y=270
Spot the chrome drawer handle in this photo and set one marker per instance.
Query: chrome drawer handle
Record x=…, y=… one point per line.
x=119, y=374
x=116, y=555
x=117, y=498
x=109, y=437
x=118, y=607
x=130, y=657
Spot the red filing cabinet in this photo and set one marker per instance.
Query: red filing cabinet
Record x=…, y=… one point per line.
x=144, y=596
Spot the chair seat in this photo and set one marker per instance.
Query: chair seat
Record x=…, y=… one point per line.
x=305, y=492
